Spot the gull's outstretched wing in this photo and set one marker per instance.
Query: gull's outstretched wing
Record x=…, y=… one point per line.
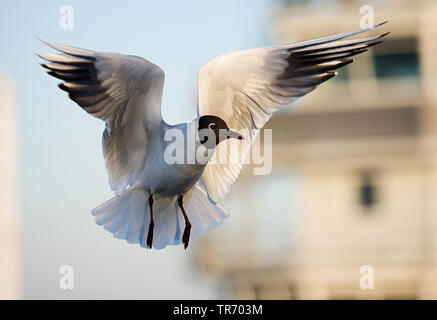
x=244, y=88
x=123, y=91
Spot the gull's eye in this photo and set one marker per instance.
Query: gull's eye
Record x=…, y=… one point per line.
x=212, y=126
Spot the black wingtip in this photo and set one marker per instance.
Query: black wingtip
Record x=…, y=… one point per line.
x=57, y=76
x=384, y=34
x=62, y=86
x=344, y=63
x=331, y=74
x=380, y=24
x=369, y=45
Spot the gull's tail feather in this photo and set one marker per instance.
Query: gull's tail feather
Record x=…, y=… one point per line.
x=127, y=216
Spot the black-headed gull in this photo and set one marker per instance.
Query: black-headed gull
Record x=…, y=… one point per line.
x=158, y=203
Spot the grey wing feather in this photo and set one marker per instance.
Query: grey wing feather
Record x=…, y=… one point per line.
x=123, y=91
x=246, y=87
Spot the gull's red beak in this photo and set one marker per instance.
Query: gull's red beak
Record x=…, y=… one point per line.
x=234, y=135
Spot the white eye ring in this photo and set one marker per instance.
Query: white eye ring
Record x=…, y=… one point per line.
x=212, y=126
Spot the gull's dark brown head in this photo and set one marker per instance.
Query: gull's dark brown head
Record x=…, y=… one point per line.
x=213, y=130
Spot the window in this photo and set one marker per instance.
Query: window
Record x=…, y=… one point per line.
x=367, y=190
x=396, y=58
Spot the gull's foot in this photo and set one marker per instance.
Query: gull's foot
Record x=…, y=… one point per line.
x=187, y=230
x=151, y=224
x=186, y=235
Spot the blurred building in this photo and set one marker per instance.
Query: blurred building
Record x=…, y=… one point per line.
x=355, y=171
x=9, y=269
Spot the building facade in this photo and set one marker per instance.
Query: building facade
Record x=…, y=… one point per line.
x=353, y=192
x=9, y=248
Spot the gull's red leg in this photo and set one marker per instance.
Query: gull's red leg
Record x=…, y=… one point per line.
x=187, y=230
x=151, y=224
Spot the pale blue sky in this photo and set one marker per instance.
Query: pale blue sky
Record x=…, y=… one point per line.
x=62, y=175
